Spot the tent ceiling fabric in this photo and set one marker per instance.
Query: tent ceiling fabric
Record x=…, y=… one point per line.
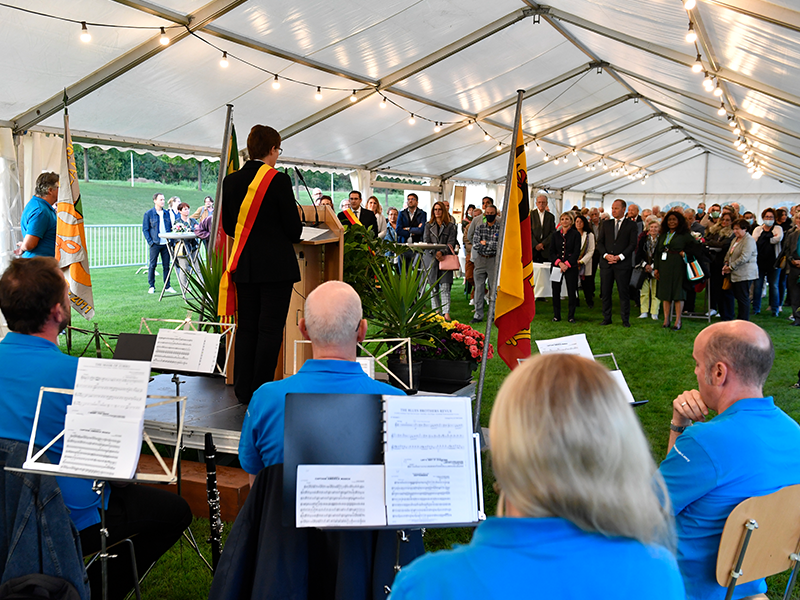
x=611, y=79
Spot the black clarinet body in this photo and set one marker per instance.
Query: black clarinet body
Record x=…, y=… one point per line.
x=214, y=518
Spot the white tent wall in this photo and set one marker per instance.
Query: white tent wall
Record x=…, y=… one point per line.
x=10, y=198
x=36, y=154
x=708, y=179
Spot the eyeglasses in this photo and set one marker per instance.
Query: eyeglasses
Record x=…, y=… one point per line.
x=280, y=150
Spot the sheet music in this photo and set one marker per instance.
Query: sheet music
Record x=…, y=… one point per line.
x=340, y=496
x=556, y=275
x=115, y=388
x=571, y=344
x=312, y=233
x=620, y=379
x=181, y=350
x=367, y=364
x=430, y=461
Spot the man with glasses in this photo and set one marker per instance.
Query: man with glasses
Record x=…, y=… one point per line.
x=365, y=217
x=38, y=223
x=258, y=204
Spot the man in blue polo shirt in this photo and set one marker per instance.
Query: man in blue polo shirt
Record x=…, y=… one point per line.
x=748, y=449
x=334, y=325
x=35, y=302
x=38, y=222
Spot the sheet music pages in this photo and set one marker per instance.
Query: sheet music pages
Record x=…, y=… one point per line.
x=570, y=344
x=104, y=423
x=430, y=461
x=190, y=351
x=340, y=496
x=620, y=379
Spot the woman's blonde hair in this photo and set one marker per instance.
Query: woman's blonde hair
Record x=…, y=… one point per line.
x=566, y=443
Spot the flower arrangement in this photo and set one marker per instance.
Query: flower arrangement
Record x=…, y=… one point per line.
x=452, y=341
x=180, y=227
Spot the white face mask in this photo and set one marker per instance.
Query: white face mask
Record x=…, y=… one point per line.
x=769, y=222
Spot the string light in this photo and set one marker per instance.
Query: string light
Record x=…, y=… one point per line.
x=722, y=112
x=499, y=147
x=732, y=122
x=86, y=37
x=223, y=62
x=689, y=4
x=383, y=102
x=717, y=90
x=697, y=67
x=164, y=39
x=594, y=167
x=470, y=126
x=546, y=157
x=353, y=96
x=437, y=128
x=564, y=159
x=555, y=161
x=538, y=147
x=708, y=82
x=318, y=95
x=486, y=137
x=691, y=36
x=275, y=83
x=737, y=131
x=588, y=168
x=411, y=119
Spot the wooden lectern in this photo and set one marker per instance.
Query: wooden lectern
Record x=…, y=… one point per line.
x=320, y=260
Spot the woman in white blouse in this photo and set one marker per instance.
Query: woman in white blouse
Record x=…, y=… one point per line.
x=375, y=206
x=585, y=258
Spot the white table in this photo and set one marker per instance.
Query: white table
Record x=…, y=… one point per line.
x=180, y=257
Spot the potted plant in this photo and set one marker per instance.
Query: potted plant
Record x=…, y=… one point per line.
x=202, y=295
x=400, y=310
x=454, y=352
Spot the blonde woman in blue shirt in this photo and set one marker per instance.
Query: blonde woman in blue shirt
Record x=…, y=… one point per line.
x=582, y=513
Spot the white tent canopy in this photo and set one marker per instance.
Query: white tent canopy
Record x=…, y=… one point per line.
x=607, y=83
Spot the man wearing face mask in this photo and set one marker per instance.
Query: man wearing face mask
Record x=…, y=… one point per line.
x=712, y=216
x=484, y=247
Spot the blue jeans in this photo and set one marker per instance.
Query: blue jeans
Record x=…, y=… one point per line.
x=772, y=281
x=155, y=250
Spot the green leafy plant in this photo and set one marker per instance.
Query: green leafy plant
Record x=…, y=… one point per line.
x=202, y=296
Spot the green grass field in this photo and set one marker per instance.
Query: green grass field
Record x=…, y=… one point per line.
x=657, y=364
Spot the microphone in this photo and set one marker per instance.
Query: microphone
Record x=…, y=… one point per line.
x=316, y=212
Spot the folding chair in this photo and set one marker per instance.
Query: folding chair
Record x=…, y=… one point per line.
x=761, y=537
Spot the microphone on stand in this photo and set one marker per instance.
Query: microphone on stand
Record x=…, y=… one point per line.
x=316, y=212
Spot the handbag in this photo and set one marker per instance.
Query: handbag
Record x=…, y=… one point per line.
x=694, y=272
x=781, y=262
x=449, y=262
x=637, y=278
x=726, y=282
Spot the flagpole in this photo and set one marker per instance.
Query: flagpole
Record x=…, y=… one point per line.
x=223, y=169
x=476, y=417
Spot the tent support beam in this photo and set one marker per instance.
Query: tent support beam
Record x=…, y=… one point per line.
x=763, y=11
x=656, y=172
x=651, y=164
x=408, y=71
x=548, y=131
x=119, y=66
x=492, y=110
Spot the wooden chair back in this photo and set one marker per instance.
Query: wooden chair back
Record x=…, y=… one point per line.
x=777, y=536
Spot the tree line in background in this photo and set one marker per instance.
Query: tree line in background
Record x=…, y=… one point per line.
x=115, y=165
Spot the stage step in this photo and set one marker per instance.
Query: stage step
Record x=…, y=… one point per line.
x=233, y=485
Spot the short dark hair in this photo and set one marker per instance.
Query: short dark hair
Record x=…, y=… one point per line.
x=415, y=196
x=741, y=224
x=624, y=204
x=181, y=205
x=682, y=226
x=29, y=289
x=491, y=201
x=44, y=183
x=745, y=357
x=156, y=195
x=354, y=192
x=262, y=140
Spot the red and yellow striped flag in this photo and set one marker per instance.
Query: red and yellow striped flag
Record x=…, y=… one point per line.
x=515, y=306
x=351, y=216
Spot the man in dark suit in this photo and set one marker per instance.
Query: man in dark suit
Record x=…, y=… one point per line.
x=617, y=244
x=543, y=226
x=411, y=222
x=366, y=217
x=267, y=268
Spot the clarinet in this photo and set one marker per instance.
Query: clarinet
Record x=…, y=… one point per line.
x=214, y=519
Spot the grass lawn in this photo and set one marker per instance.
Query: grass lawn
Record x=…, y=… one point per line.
x=657, y=364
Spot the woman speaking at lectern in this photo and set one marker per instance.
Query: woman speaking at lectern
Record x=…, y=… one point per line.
x=259, y=211
x=580, y=512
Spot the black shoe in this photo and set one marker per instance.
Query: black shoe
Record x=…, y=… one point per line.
x=571, y=320
x=626, y=324
x=665, y=326
x=476, y=320
x=556, y=319
x=606, y=323
x=676, y=328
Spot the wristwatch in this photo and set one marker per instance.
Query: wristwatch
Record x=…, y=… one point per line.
x=677, y=429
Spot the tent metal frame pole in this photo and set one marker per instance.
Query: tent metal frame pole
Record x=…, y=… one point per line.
x=498, y=264
x=223, y=168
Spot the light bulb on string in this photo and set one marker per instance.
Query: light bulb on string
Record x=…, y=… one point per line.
x=717, y=90
x=708, y=82
x=470, y=126
x=318, y=95
x=588, y=168
x=751, y=168
x=555, y=161
x=383, y=102
x=691, y=36
x=565, y=159
x=223, y=62
x=689, y=4
x=642, y=181
x=275, y=83
x=546, y=157
x=594, y=167
x=732, y=122
x=736, y=131
x=721, y=111
x=574, y=152
x=437, y=128
x=353, y=96
x=411, y=119
x=86, y=37
x=486, y=137
x=580, y=162
x=697, y=67
x=499, y=147
x=164, y=40
x=538, y=147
